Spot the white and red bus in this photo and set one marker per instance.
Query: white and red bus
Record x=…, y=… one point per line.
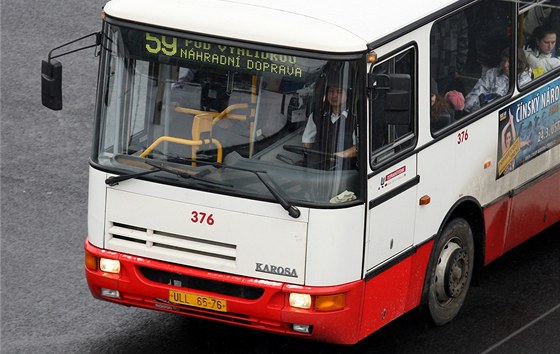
x=225, y=184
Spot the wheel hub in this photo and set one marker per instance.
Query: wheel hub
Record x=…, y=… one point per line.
x=456, y=276
x=451, y=272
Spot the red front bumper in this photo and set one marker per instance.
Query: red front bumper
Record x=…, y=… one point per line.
x=145, y=283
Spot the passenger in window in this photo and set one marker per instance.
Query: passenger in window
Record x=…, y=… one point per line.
x=442, y=112
x=332, y=130
x=494, y=84
x=540, y=51
x=457, y=101
x=524, y=70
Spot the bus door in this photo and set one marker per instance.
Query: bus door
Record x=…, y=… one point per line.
x=391, y=212
x=392, y=186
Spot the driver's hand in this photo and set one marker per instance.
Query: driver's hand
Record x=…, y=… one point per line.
x=350, y=152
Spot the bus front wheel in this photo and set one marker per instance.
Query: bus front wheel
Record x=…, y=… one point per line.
x=451, y=271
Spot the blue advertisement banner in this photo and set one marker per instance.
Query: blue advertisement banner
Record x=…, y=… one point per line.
x=528, y=127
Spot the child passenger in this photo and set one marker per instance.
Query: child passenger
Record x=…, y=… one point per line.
x=494, y=84
x=442, y=112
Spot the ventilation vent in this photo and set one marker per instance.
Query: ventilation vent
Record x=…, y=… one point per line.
x=127, y=238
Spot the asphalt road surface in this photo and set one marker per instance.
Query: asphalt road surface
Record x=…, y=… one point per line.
x=45, y=304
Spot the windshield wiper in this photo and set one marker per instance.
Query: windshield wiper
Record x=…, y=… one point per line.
x=160, y=166
x=292, y=210
x=114, y=180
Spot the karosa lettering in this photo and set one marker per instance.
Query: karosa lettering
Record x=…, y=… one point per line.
x=272, y=269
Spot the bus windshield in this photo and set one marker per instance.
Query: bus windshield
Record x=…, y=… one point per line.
x=194, y=106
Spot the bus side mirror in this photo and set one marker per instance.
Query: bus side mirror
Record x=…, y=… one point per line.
x=51, y=85
x=395, y=90
x=51, y=73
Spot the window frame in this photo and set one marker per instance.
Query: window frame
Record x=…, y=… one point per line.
x=387, y=153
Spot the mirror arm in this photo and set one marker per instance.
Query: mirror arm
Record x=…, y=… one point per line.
x=97, y=43
x=51, y=73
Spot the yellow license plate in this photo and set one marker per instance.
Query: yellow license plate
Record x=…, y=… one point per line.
x=204, y=302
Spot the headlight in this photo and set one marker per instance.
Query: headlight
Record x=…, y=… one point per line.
x=301, y=301
x=109, y=265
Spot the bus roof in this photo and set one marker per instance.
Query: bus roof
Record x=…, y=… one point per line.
x=329, y=26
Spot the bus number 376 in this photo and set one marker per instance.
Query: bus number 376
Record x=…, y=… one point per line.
x=462, y=136
x=199, y=217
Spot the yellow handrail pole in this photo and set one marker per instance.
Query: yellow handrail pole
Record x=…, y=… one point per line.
x=181, y=141
x=190, y=110
x=225, y=113
x=253, y=113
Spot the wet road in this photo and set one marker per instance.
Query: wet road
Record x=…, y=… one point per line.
x=45, y=304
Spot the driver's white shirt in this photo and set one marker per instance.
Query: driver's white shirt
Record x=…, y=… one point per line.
x=310, y=132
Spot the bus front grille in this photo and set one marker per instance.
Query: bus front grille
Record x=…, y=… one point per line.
x=196, y=283
x=163, y=245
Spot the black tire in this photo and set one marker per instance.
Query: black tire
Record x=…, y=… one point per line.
x=451, y=271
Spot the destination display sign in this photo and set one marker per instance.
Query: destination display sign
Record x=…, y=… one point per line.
x=156, y=45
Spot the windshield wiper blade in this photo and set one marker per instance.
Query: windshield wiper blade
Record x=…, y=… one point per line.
x=114, y=180
x=292, y=210
x=159, y=166
x=198, y=176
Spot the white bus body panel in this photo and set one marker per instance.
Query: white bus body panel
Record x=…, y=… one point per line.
x=464, y=165
x=248, y=238
x=96, y=207
x=322, y=26
x=335, y=246
x=391, y=222
x=453, y=169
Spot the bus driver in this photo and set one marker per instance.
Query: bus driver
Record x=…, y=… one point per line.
x=332, y=130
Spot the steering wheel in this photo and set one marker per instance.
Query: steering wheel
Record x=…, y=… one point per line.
x=314, y=158
x=302, y=150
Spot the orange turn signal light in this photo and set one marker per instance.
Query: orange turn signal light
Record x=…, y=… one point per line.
x=330, y=302
x=91, y=261
x=425, y=200
x=372, y=57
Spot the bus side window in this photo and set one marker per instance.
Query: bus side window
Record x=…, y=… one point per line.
x=468, y=67
x=539, y=32
x=391, y=105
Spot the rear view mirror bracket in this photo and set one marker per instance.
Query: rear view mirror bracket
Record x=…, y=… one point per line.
x=51, y=73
